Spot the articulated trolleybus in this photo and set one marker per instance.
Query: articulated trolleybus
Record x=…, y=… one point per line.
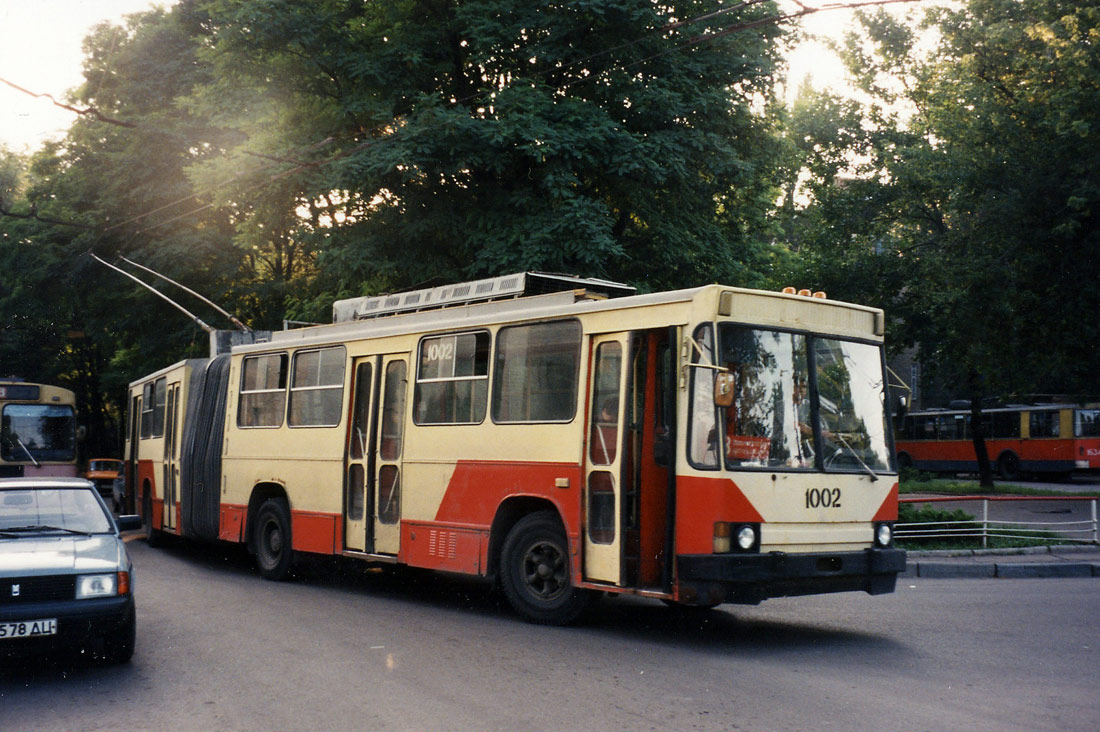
x=38, y=431
x=701, y=446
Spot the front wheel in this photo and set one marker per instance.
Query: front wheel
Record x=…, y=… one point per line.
x=272, y=539
x=535, y=571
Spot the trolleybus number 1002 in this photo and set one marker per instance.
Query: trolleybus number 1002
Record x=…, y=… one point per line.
x=823, y=498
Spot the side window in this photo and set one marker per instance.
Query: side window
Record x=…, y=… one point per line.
x=160, y=397
x=317, y=388
x=703, y=435
x=263, y=391
x=452, y=379
x=1007, y=424
x=1044, y=424
x=603, y=443
x=147, y=411
x=536, y=372
x=153, y=397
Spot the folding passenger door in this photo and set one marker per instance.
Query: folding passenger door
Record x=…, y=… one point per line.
x=358, y=483
x=391, y=438
x=170, y=484
x=605, y=459
x=372, y=493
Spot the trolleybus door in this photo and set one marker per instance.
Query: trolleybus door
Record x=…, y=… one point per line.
x=132, y=485
x=358, y=479
x=391, y=433
x=171, y=470
x=605, y=459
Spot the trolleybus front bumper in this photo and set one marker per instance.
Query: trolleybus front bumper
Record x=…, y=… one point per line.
x=708, y=579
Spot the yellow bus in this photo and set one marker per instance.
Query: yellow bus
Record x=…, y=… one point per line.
x=699, y=446
x=38, y=430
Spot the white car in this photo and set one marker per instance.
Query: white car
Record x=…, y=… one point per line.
x=66, y=579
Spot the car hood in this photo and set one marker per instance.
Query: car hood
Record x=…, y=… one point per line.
x=30, y=556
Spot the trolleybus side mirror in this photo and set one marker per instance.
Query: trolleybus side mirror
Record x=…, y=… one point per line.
x=901, y=406
x=723, y=389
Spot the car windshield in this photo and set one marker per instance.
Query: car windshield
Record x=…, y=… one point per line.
x=45, y=510
x=800, y=401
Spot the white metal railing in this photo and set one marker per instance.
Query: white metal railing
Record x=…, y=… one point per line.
x=1083, y=531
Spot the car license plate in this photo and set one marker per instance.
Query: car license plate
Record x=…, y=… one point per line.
x=28, y=628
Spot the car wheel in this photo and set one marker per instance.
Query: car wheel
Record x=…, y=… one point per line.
x=120, y=644
x=535, y=572
x=272, y=539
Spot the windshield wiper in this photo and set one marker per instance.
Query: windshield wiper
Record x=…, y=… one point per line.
x=13, y=530
x=855, y=454
x=28, y=451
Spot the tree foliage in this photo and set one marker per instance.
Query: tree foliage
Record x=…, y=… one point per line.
x=275, y=155
x=966, y=186
x=971, y=190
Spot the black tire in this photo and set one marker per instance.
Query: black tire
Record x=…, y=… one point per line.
x=271, y=539
x=535, y=572
x=153, y=537
x=1008, y=465
x=119, y=645
x=904, y=461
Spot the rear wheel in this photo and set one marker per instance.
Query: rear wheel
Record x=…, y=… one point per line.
x=535, y=571
x=1008, y=465
x=152, y=536
x=272, y=539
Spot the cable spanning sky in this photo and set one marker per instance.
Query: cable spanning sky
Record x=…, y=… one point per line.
x=41, y=50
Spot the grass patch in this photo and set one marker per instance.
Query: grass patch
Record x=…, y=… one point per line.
x=925, y=483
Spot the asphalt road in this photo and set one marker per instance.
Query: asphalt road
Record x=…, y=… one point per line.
x=219, y=648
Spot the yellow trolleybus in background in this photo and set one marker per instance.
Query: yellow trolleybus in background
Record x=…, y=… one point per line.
x=38, y=431
x=699, y=446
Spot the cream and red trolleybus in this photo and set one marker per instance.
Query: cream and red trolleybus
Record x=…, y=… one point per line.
x=700, y=446
x=38, y=430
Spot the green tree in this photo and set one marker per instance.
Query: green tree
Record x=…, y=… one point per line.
x=976, y=196
x=430, y=139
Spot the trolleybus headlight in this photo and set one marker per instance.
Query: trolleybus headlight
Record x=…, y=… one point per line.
x=884, y=534
x=730, y=537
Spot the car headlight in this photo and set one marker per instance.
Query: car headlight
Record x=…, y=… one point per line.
x=102, y=585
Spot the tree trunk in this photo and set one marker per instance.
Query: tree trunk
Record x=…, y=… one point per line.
x=977, y=431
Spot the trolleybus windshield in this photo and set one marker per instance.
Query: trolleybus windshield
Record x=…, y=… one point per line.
x=37, y=432
x=802, y=402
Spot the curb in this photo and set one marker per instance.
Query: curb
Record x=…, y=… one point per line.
x=1000, y=570
x=954, y=564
